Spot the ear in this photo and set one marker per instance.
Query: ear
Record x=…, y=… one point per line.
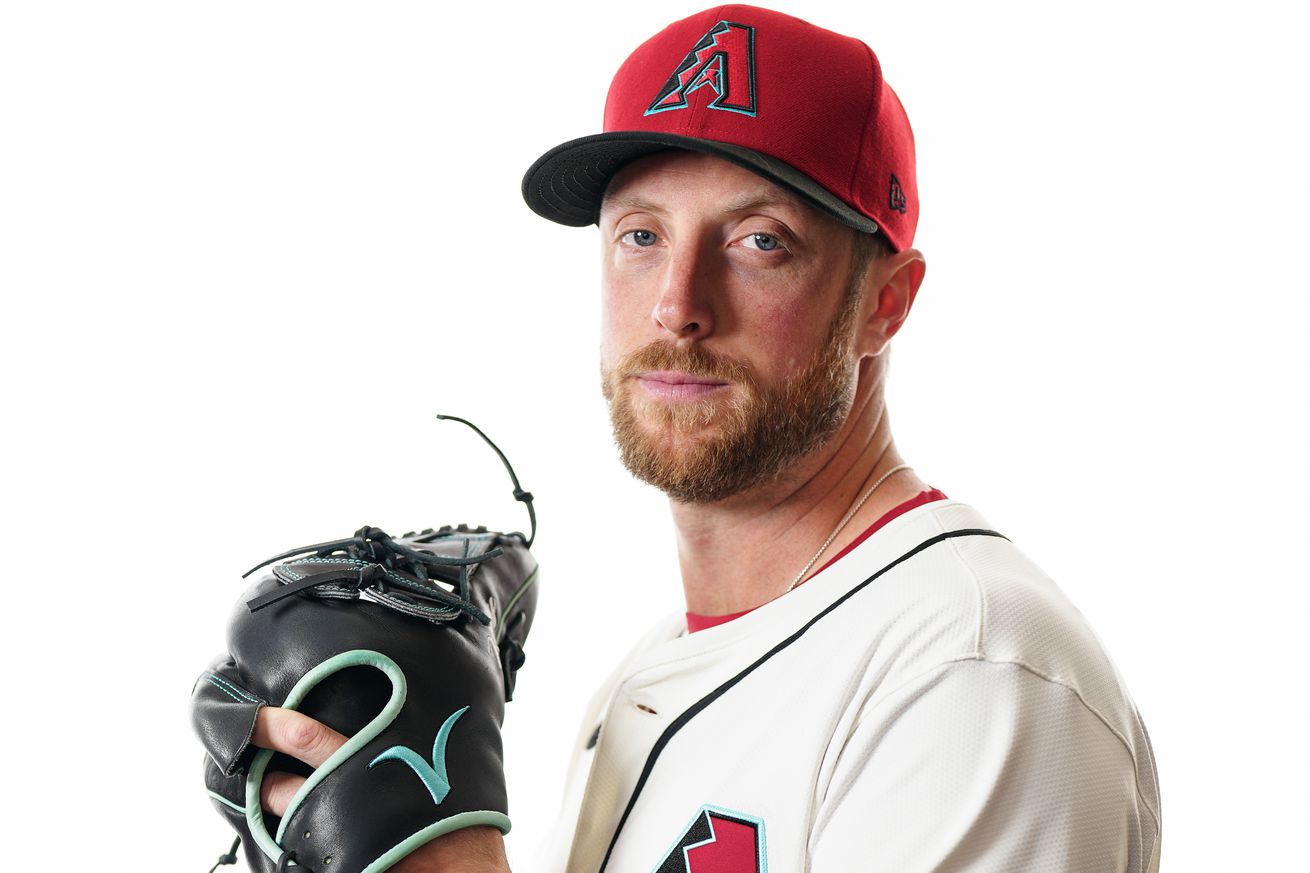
x=891, y=284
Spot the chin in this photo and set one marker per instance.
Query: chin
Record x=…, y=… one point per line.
x=686, y=413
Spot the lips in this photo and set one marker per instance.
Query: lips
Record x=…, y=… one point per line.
x=674, y=384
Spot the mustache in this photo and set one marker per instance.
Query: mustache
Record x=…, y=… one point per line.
x=692, y=359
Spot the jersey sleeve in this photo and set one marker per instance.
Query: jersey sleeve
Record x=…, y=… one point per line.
x=981, y=767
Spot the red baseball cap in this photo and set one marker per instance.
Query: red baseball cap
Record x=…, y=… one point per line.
x=802, y=106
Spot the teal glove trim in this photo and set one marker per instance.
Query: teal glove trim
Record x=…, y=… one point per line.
x=223, y=800
x=355, y=658
x=431, y=832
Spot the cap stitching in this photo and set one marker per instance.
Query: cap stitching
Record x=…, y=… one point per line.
x=874, y=104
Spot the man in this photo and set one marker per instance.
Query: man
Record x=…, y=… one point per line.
x=867, y=676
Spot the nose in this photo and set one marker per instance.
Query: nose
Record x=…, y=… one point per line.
x=684, y=307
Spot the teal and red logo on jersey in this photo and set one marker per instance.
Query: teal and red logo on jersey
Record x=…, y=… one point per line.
x=718, y=840
x=722, y=60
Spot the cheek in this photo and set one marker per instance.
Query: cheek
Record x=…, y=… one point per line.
x=626, y=303
x=611, y=312
x=790, y=331
x=790, y=305
x=616, y=326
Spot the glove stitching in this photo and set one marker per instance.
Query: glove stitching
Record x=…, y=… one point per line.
x=296, y=577
x=228, y=692
x=226, y=685
x=224, y=690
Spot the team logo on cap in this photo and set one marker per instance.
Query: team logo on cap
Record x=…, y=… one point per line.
x=718, y=841
x=722, y=60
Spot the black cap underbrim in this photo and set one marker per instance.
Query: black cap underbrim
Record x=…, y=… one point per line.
x=567, y=183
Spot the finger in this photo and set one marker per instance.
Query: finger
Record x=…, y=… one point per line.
x=294, y=734
x=277, y=790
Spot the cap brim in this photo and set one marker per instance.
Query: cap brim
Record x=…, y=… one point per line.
x=567, y=183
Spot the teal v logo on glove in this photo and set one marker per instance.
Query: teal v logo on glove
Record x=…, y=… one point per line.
x=433, y=775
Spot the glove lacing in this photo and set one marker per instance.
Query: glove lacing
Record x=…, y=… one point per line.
x=229, y=858
x=387, y=563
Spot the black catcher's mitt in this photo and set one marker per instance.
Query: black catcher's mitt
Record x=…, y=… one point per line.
x=406, y=645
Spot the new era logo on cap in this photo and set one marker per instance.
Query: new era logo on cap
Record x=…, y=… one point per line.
x=897, y=199
x=723, y=60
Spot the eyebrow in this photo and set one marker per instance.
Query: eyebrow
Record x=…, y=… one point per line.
x=743, y=204
x=749, y=203
x=628, y=203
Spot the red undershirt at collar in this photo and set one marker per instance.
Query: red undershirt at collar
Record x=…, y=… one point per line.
x=697, y=622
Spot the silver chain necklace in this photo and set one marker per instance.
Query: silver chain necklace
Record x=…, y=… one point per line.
x=850, y=513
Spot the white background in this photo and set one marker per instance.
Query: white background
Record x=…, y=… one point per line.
x=247, y=250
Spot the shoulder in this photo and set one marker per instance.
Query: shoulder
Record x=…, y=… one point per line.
x=947, y=587
x=970, y=593
x=981, y=629
x=987, y=716
x=1024, y=619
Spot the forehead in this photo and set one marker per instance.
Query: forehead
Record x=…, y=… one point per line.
x=676, y=179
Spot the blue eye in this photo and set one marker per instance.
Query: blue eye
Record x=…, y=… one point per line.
x=641, y=238
x=762, y=241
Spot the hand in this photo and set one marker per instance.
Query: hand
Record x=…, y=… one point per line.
x=470, y=850
x=285, y=645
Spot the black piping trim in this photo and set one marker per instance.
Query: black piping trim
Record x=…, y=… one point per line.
x=700, y=705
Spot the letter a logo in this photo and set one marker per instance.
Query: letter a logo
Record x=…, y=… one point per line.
x=718, y=841
x=722, y=60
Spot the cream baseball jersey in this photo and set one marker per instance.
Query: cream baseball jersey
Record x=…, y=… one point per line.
x=929, y=702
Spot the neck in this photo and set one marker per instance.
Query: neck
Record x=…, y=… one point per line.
x=739, y=553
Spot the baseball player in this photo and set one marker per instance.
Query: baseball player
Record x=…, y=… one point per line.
x=867, y=675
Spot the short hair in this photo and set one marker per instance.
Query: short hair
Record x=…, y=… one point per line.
x=868, y=248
